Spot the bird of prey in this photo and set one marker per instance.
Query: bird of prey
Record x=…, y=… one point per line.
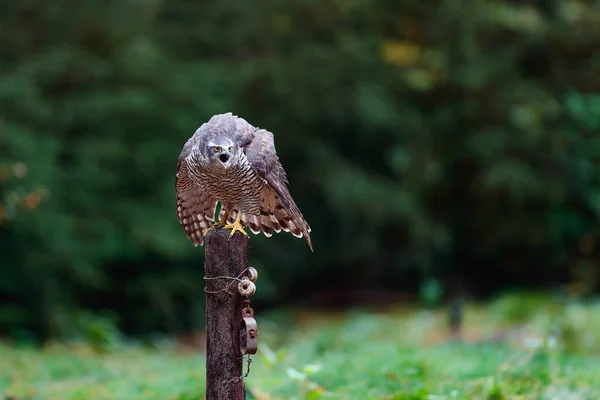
x=229, y=161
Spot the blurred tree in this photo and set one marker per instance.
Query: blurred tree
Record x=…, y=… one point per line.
x=420, y=140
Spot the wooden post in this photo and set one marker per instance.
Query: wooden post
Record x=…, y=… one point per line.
x=225, y=255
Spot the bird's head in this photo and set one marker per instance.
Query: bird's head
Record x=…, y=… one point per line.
x=221, y=151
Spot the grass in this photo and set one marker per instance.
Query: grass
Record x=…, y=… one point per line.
x=516, y=348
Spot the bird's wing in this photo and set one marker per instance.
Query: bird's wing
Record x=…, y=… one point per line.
x=195, y=207
x=278, y=209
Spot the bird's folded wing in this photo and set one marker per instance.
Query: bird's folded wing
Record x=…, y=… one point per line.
x=262, y=155
x=195, y=208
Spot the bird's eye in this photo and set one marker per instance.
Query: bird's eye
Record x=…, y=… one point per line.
x=217, y=149
x=230, y=149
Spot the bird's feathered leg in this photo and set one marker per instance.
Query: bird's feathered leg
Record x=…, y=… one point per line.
x=236, y=226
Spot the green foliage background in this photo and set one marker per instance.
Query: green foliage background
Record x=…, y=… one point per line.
x=420, y=139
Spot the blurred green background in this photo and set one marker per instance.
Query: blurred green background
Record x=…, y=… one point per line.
x=437, y=148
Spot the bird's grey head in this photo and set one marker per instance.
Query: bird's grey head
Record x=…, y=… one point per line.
x=221, y=150
x=215, y=144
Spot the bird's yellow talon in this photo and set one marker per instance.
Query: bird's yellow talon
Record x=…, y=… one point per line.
x=236, y=226
x=215, y=225
x=219, y=224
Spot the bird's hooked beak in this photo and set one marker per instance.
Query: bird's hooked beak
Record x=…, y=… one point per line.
x=224, y=157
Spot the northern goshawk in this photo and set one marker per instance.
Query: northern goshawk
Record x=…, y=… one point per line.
x=229, y=161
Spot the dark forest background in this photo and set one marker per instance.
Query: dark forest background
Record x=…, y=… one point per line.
x=430, y=144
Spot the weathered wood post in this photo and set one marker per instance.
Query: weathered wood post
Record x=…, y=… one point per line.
x=225, y=256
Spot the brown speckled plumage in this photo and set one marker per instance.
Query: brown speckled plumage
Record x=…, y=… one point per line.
x=251, y=181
